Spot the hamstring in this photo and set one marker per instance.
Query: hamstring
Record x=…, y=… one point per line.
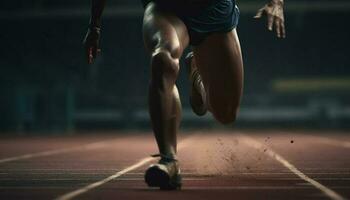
x=225, y=115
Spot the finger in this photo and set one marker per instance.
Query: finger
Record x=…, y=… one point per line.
x=259, y=13
x=283, y=29
x=278, y=27
x=94, y=52
x=90, y=56
x=87, y=53
x=269, y=21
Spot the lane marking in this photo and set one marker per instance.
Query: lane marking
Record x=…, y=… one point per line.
x=91, y=186
x=90, y=146
x=184, y=178
x=199, y=187
x=28, y=171
x=82, y=190
x=258, y=187
x=327, y=191
x=59, y=169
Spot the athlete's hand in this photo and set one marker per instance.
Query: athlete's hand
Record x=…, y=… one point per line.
x=91, y=43
x=275, y=16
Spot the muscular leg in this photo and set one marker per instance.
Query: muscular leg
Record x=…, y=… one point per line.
x=165, y=38
x=219, y=61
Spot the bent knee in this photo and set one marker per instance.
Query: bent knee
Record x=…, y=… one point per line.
x=164, y=69
x=225, y=116
x=163, y=64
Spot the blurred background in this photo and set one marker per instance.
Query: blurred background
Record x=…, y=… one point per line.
x=46, y=85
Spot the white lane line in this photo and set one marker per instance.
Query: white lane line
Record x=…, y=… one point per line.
x=258, y=187
x=89, y=187
x=254, y=173
x=82, y=190
x=327, y=191
x=90, y=146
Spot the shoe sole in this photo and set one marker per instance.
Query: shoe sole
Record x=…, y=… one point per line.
x=195, y=96
x=156, y=177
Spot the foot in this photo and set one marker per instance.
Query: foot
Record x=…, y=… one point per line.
x=198, y=99
x=165, y=174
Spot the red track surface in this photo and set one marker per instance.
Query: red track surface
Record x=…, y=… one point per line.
x=215, y=165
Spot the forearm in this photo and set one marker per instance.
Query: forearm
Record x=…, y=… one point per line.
x=97, y=7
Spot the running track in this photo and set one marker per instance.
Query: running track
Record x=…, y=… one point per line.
x=216, y=165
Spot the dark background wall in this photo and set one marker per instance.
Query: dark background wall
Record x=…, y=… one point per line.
x=301, y=81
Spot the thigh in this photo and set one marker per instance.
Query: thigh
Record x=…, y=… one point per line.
x=219, y=61
x=163, y=30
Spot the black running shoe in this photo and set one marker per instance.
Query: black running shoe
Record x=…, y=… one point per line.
x=198, y=99
x=165, y=174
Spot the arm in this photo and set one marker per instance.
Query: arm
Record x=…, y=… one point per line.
x=97, y=7
x=92, y=38
x=275, y=16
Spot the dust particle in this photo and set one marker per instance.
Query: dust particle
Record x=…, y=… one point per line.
x=267, y=139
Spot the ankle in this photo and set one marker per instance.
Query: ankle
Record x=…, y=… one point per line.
x=166, y=157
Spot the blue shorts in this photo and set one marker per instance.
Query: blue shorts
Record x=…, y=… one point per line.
x=219, y=16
